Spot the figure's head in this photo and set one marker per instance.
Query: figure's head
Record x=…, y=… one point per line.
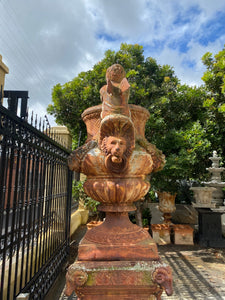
x=116, y=152
x=115, y=73
x=80, y=278
x=116, y=146
x=116, y=141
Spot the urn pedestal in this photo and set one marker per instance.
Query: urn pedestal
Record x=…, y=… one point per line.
x=209, y=217
x=210, y=227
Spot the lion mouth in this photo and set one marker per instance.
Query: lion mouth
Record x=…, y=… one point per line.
x=116, y=159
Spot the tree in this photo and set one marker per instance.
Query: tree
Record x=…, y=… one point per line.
x=145, y=76
x=177, y=115
x=214, y=78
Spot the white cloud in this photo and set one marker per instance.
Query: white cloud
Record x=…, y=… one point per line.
x=49, y=42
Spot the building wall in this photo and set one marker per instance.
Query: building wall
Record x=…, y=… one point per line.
x=3, y=70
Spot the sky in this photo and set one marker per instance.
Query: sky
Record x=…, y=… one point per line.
x=46, y=42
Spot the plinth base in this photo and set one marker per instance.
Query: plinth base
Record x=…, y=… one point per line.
x=109, y=280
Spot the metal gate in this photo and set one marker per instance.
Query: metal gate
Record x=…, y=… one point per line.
x=35, y=201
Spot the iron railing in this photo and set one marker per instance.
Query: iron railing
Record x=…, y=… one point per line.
x=35, y=201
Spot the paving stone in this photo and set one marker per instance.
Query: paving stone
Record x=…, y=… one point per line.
x=193, y=276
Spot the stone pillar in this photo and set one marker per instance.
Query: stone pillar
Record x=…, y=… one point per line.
x=62, y=136
x=3, y=70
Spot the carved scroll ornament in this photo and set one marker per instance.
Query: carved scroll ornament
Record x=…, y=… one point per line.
x=163, y=276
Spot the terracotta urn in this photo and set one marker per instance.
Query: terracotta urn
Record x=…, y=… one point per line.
x=116, y=159
x=167, y=205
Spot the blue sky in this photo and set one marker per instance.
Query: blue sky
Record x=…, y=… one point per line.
x=48, y=42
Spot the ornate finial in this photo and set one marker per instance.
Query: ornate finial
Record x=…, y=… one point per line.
x=115, y=73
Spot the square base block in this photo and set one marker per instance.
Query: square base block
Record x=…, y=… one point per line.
x=183, y=235
x=124, y=280
x=161, y=233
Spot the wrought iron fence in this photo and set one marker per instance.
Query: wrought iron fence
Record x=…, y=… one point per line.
x=35, y=201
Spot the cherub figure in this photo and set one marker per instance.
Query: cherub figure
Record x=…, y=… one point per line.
x=115, y=94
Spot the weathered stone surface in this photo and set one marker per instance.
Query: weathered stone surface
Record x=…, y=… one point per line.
x=117, y=239
x=166, y=205
x=119, y=280
x=116, y=159
x=185, y=214
x=161, y=233
x=183, y=234
x=203, y=196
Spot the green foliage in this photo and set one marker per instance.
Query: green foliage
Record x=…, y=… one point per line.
x=177, y=128
x=146, y=216
x=152, y=196
x=79, y=195
x=184, y=194
x=186, y=123
x=214, y=78
x=146, y=77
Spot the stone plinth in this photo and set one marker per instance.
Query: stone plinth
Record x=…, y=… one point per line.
x=183, y=235
x=115, y=280
x=210, y=227
x=161, y=233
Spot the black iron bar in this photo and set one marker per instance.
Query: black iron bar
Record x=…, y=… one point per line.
x=42, y=206
x=57, y=205
x=34, y=205
x=24, y=201
x=68, y=205
x=3, y=172
x=39, y=203
x=19, y=215
x=6, y=215
x=11, y=201
x=46, y=213
x=51, y=211
x=14, y=232
x=30, y=210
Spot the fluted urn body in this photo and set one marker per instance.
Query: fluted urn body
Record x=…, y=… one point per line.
x=116, y=185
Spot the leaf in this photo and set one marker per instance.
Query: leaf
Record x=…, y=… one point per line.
x=221, y=108
x=208, y=102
